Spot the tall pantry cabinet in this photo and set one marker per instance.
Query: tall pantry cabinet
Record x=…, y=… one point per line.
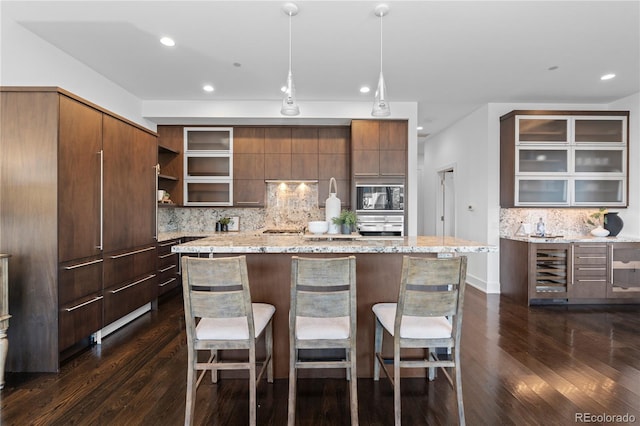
x=77, y=214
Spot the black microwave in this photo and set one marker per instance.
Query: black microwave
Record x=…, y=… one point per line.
x=379, y=198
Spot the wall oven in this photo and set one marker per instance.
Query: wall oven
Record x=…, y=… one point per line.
x=380, y=208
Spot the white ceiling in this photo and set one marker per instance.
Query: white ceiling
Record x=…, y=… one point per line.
x=448, y=56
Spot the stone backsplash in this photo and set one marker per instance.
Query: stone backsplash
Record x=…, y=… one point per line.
x=557, y=221
x=289, y=205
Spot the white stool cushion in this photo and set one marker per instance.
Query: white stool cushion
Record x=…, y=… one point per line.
x=311, y=328
x=235, y=328
x=412, y=327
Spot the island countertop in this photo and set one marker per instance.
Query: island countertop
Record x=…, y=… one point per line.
x=250, y=242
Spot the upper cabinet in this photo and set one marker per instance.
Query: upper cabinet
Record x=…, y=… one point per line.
x=379, y=148
x=170, y=162
x=563, y=158
x=208, y=166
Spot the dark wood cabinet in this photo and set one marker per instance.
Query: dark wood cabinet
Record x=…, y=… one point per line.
x=578, y=272
x=248, y=166
x=304, y=153
x=564, y=158
x=334, y=161
x=277, y=153
x=130, y=158
x=80, y=159
x=54, y=147
x=169, y=276
x=379, y=148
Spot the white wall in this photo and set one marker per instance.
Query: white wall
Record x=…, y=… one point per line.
x=28, y=60
x=473, y=146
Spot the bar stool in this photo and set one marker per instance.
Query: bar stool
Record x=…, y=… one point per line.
x=219, y=315
x=323, y=316
x=428, y=315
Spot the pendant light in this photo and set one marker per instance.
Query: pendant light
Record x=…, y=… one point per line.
x=289, y=104
x=380, y=104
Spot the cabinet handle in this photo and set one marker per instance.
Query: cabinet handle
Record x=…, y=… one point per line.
x=365, y=174
x=167, y=268
x=171, y=243
x=132, y=284
x=572, y=254
x=118, y=256
x=591, y=281
x=73, y=308
x=100, y=245
x=167, y=282
x=611, y=262
x=156, y=173
x=166, y=255
x=80, y=265
x=247, y=202
x=592, y=257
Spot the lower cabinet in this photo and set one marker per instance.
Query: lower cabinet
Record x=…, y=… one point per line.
x=580, y=272
x=80, y=300
x=130, y=281
x=625, y=271
x=168, y=266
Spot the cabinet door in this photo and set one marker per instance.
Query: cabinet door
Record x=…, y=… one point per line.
x=365, y=135
x=277, y=153
x=79, y=162
x=542, y=129
x=304, y=153
x=129, y=185
x=145, y=152
x=549, y=271
x=249, y=192
x=602, y=130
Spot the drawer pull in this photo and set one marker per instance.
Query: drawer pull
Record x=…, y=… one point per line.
x=167, y=268
x=590, y=281
x=132, y=284
x=167, y=282
x=247, y=202
x=592, y=257
x=118, y=256
x=171, y=243
x=81, y=265
x=166, y=255
x=73, y=308
x=592, y=269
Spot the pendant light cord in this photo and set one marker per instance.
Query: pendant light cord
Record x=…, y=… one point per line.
x=289, y=42
x=381, y=15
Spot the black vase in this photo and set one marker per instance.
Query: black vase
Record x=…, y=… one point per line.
x=613, y=223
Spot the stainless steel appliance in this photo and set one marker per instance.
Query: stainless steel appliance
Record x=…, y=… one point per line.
x=380, y=208
x=381, y=225
x=381, y=198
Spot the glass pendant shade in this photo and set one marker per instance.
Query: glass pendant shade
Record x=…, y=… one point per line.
x=289, y=104
x=380, y=105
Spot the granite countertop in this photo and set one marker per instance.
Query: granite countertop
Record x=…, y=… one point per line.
x=573, y=239
x=253, y=242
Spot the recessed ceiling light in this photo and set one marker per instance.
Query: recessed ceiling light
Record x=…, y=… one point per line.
x=364, y=89
x=167, y=41
x=607, y=76
x=419, y=128
x=207, y=88
x=283, y=89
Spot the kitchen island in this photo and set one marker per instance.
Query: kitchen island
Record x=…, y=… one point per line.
x=378, y=270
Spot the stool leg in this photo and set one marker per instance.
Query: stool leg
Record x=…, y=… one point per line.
x=396, y=381
x=293, y=357
x=377, y=349
x=354, y=386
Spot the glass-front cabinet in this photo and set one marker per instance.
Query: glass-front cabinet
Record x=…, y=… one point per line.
x=208, y=166
x=566, y=160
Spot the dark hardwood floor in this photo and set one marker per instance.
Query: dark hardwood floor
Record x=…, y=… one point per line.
x=534, y=366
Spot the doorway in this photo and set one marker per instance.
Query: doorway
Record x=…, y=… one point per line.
x=445, y=204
